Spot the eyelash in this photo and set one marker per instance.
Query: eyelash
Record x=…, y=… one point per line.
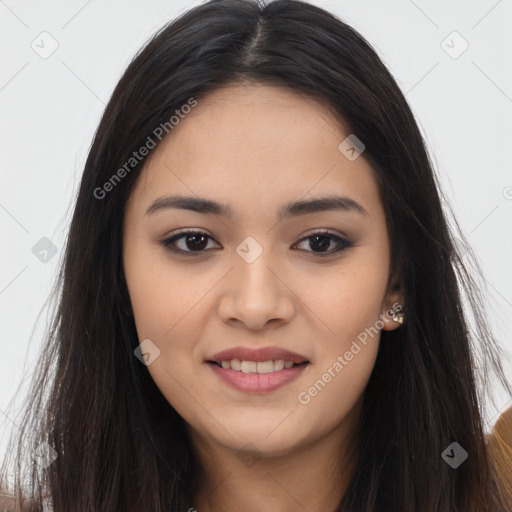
x=168, y=242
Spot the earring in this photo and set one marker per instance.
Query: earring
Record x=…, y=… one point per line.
x=399, y=319
x=398, y=315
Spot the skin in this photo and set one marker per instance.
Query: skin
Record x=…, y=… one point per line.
x=255, y=148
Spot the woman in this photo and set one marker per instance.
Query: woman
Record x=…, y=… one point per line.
x=313, y=353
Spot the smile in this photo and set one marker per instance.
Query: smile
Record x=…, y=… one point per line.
x=257, y=377
x=257, y=366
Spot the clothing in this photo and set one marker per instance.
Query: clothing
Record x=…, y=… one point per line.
x=500, y=449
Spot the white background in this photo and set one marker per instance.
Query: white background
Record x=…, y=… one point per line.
x=51, y=107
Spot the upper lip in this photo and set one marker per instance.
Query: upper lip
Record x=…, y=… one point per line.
x=258, y=355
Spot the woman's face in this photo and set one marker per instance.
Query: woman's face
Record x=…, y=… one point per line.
x=256, y=279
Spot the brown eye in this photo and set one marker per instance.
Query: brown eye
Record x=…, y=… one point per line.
x=189, y=242
x=321, y=241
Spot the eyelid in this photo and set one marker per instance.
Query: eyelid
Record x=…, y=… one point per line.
x=168, y=241
x=325, y=231
x=344, y=241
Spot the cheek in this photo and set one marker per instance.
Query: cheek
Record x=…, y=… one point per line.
x=163, y=314
x=166, y=300
x=334, y=389
x=346, y=303
x=171, y=321
x=349, y=306
x=163, y=294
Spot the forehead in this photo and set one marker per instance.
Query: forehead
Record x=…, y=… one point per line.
x=246, y=118
x=253, y=145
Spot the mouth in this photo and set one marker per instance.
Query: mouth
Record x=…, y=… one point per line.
x=257, y=370
x=245, y=366
x=257, y=377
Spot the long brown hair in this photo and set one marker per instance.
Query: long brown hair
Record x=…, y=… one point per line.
x=120, y=445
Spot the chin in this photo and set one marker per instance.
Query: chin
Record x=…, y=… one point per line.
x=262, y=437
x=263, y=447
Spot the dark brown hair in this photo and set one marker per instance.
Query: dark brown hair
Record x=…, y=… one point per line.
x=121, y=446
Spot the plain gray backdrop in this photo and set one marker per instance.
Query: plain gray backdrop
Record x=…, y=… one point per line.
x=61, y=61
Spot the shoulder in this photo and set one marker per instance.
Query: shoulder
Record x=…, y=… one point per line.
x=504, y=424
x=8, y=503
x=500, y=449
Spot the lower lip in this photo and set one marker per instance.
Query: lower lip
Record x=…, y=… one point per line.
x=258, y=382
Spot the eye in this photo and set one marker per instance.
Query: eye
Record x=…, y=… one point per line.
x=193, y=241
x=322, y=240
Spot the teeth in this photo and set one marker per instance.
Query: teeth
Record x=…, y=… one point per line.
x=256, y=367
x=279, y=365
x=264, y=366
x=249, y=367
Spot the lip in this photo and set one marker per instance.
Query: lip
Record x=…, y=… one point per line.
x=257, y=382
x=258, y=355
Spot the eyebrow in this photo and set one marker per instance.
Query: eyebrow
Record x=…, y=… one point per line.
x=291, y=209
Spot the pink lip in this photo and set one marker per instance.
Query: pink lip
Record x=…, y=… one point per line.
x=258, y=382
x=258, y=355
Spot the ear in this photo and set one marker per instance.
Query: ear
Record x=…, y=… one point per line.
x=393, y=308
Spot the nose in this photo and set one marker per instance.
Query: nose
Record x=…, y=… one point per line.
x=256, y=294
